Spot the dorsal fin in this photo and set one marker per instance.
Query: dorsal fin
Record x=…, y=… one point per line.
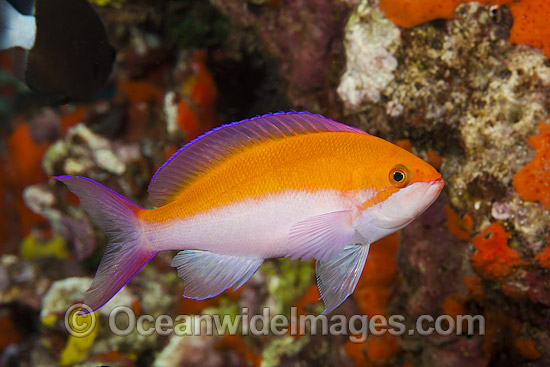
x=208, y=150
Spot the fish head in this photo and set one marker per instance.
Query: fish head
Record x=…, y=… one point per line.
x=404, y=186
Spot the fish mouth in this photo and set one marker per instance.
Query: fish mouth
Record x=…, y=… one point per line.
x=433, y=190
x=439, y=183
x=434, y=187
x=422, y=194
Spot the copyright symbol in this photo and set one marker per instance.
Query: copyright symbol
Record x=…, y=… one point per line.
x=80, y=325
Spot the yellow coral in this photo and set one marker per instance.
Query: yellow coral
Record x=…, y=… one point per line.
x=33, y=248
x=78, y=345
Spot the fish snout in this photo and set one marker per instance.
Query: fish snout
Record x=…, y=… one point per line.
x=437, y=185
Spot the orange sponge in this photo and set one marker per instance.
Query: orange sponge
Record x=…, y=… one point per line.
x=527, y=348
x=531, y=25
x=532, y=182
x=454, y=305
x=530, y=17
x=377, y=280
x=372, y=295
x=409, y=13
x=382, y=349
x=494, y=259
x=543, y=258
x=459, y=227
x=474, y=286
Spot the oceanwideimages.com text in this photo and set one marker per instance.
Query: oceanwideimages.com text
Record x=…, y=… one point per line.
x=123, y=321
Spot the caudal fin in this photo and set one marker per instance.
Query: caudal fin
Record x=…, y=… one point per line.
x=126, y=252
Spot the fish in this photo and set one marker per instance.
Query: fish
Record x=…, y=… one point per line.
x=63, y=49
x=283, y=185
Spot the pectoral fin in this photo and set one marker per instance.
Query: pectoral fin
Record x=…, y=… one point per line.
x=320, y=237
x=207, y=274
x=338, y=277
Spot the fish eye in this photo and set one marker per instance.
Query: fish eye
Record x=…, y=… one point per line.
x=399, y=176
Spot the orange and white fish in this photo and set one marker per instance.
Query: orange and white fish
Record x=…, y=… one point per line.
x=292, y=184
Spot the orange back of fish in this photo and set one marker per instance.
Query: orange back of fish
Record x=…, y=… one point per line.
x=328, y=161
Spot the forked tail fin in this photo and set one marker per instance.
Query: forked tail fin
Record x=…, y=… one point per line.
x=126, y=251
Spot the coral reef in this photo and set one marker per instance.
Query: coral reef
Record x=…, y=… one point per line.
x=303, y=36
x=529, y=16
x=493, y=258
x=464, y=93
x=459, y=91
x=370, y=42
x=531, y=182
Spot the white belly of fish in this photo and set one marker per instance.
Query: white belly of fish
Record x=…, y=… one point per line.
x=252, y=227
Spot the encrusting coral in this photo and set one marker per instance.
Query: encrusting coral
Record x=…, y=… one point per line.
x=370, y=42
x=530, y=16
x=465, y=94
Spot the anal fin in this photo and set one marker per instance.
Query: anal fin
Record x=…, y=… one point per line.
x=207, y=274
x=338, y=277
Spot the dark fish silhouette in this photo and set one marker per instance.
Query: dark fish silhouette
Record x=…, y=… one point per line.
x=66, y=54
